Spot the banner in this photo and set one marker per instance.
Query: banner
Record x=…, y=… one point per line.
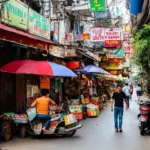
x=97, y=5
x=104, y=34
x=15, y=13
x=39, y=25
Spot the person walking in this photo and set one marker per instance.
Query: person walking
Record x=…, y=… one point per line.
x=139, y=92
x=131, y=90
x=126, y=90
x=117, y=104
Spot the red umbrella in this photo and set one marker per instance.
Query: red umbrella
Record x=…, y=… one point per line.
x=28, y=67
x=37, y=68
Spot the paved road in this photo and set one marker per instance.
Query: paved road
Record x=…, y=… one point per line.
x=97, y=133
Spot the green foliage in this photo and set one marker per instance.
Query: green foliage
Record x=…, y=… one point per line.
x=141, y=46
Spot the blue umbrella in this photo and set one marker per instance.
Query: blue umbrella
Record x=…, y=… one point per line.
x=95, y=69
x=61, y=71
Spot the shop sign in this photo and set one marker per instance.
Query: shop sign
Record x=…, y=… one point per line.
x=112, y=43
x=126, y=47
x=116, y=54
x=94, y=56
x=39, y=25
x=113, y=34
x=97, y=5
x=44, y=82
x=112, y=66
x=86, y=36
x=57, y=51
x=15, y=13
x=71, y=52
x=104, y=34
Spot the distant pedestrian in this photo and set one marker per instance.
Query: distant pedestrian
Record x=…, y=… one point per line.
x=117, y=103
x=131, y=90
x=139, y=92
x=126, y=90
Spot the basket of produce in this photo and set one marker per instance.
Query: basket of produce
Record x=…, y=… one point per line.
x=7, y=116
x=20, y=119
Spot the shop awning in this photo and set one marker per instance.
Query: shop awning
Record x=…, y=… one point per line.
x=13, y=30
x=88, y=54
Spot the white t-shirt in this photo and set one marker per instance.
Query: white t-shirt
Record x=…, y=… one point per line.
x=138, y=88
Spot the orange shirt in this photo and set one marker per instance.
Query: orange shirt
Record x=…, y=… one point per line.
x=42, y=105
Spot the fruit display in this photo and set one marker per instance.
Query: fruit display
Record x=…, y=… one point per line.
x=8, y=116
x=20, y=116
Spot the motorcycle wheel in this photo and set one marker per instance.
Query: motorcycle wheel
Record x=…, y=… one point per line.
x=142, y=128
x=70, y=133
x=22, y=131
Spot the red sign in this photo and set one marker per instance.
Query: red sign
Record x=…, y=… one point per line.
x=112, y=43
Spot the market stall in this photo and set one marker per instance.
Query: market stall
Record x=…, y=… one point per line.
x=16, y=121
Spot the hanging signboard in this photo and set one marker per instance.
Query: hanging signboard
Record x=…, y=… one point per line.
x=112, y=43
x=116, y=54
x=71, y=52
x=97, y=5
x=126, y=47
x=57, y=51
x=44, y=82
x=15, y=13
x=97, y=34
x=113, y=34
x=104, y=34
x=39, y=25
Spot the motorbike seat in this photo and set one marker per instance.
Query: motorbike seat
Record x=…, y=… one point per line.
x=55, y=118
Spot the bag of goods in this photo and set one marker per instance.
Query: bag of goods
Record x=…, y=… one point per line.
x=31, y=112
x=92, y=110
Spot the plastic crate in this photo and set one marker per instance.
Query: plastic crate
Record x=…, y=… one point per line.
x=20, y=120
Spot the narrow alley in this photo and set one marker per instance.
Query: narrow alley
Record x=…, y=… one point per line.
x=97, y=133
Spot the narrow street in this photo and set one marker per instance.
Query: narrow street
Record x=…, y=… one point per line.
x=97, y=133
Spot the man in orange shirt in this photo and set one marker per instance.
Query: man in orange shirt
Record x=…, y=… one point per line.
x=42, y=108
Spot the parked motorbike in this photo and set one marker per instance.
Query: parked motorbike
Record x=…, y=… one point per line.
x=144, y=116
x=61, y=125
